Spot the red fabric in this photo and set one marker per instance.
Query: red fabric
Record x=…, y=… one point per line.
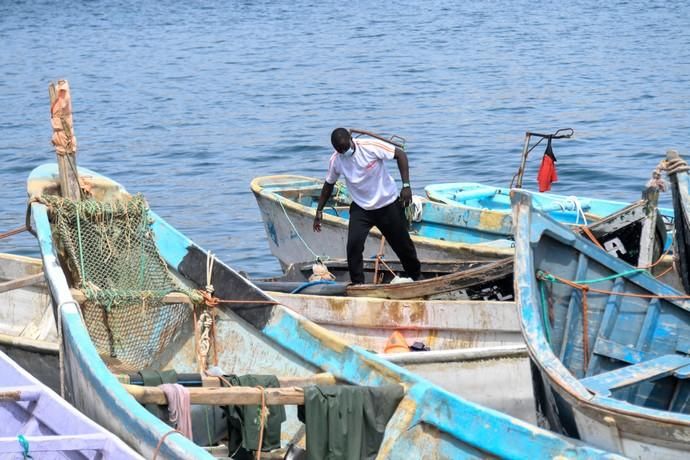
x=547, y=171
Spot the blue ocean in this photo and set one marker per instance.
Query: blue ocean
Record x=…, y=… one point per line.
x=186, y=102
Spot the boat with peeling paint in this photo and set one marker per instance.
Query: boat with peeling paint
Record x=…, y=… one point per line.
x=27, y=328
x=258, y=334
x=470, y=346
x=38, y=423
x=680, y=179
x=610, y=343
x=288, y=207
x=571, y=210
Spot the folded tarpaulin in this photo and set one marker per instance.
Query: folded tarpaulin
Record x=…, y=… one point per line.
x=347, y=422
x=249, y=416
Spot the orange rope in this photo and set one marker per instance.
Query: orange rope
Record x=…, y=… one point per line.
x=591, y=236
x=388, y=268
x=664, y=272
x=14, y=231
x=623, y=294
x=215, y=338
x=661, y=256
x=211, y=301
x=160, y=443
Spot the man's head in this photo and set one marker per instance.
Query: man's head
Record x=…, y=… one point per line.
x=341, y=140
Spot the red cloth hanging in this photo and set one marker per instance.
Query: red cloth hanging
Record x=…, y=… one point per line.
x=547, y=171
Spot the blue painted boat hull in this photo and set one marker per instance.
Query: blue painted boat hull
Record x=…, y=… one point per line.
x=269, y=338
x=571, y=210
x=600, y=385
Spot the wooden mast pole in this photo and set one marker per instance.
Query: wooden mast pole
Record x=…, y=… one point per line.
x=63, y=138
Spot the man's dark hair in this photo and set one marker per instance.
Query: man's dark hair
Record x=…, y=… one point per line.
x=340, y=138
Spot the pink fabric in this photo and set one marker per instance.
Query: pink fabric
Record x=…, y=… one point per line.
x=179, y=407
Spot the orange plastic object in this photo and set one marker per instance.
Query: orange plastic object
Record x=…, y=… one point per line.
x=396, y=344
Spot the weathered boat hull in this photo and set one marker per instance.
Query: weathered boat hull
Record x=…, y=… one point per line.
x=572, y=368
x=288, y=223
x=681, y=206
x=27, y=328
x=51, y=427
x=440, y=280
x=476, y=347
x=261, y=335
x=564, y=209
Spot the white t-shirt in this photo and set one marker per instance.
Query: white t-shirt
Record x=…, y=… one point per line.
x=368, y=181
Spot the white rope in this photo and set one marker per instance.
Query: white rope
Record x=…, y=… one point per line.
x=205, y=323
x=210, y=259
x=316, y=256
x=418, y=207
x=571, y=203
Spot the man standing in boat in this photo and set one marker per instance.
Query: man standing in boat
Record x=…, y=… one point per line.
x=375, y=200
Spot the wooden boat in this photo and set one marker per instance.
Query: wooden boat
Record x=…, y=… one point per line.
x=27, y=327
x=288, y=207
x=440, y=280
x=471, y=345
x=609, y=342
x=681, y=205
x=572, y=210
x=37, y=423
x=257, y=334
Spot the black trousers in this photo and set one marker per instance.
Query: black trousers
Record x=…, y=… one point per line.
x=391, y=222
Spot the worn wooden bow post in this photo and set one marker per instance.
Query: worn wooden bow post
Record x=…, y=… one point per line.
x=63, y=138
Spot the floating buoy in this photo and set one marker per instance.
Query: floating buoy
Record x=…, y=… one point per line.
x=396, y=344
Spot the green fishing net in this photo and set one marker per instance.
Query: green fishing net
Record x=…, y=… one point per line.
x=109, y=252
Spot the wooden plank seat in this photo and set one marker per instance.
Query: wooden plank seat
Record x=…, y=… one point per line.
x=21, y=282
x=603, y=384
x=48, y=444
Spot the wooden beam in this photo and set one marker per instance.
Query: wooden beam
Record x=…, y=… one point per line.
x=21, y=282
x=208, y=381
x=223, y=396
x=173, y=297
x=21, y=393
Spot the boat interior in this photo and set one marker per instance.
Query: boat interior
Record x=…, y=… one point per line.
x=636, y=346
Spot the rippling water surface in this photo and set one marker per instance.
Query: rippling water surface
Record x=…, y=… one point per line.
x=186, y=102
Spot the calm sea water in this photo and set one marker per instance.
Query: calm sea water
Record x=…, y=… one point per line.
x=186, y=102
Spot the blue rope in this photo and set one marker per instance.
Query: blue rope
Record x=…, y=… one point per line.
x=303, y=286
x=25, y=445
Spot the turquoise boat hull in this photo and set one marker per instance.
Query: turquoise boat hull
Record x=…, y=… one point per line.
x=611, y=353
x=260, y=335
x=572, y=210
